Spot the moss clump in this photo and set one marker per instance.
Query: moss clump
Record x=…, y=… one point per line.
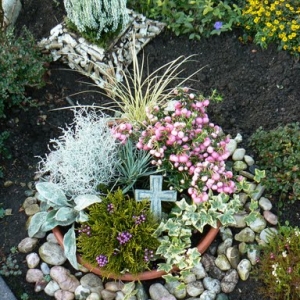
x=119, y=235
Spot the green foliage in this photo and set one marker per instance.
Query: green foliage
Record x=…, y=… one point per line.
x=2, y=211
x=278, y=153
x=273, y=21
x=175, y=232
x=194, y=17
x=279, y=265
x=9, y=264
x=117, y=214
x=134, y=164
x=4, y=152
x=57, y=210
x=21, y=65
x=98, y=16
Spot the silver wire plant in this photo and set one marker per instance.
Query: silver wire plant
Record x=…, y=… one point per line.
x=85, y=156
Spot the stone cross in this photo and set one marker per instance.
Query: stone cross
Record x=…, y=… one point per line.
x=156, y=195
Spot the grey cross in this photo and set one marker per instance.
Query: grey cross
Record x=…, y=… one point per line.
x=156, y=195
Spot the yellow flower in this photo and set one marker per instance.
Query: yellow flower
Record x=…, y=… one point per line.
x=276, y=2
x=256, y=20
x=281, y=26
x=287, y=5
x=268, y=14
x=263, y=39
x=284, y=38
x=290, y=37
x=268, y=24
x=276, y=21
x=278, y=12
x=291, y=8
x=285, y=47
x=294, y=34
x=266, y=2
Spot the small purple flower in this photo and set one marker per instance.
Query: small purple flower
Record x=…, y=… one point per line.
x=139, y=219
x=218, y=25
x=148, y=255
x=85, y=229
x=110, y=208
x=102, y=260
x=124, y=237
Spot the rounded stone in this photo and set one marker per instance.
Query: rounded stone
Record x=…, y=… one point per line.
x=246, y=235
x=114, y=286
x=81, y=292
x=224, y=245
x=222, y=262
x=52, y=254
x=229, y=281
x=239, y=166
x=244, y=268
x=63, y=295
x=267, y=234
x=64, y=278
x=93, y=296
x=238, y=154
x=195, y=289
x=27, y=245
x=258, y=224
x=207, y=295
x=253, y=255
x=249, y=160
x=270, y=217
x=199, y=271
x=32, y=260
x=233, y=256
x=212, y=285
x=265, y=203
x=231, y=146
x=51, y=288
x=32, y=209
x=34, y=275
x=157, y=292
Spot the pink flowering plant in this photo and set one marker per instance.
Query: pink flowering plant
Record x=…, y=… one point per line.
x=185, y=145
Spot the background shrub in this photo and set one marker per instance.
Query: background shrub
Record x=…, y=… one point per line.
x=21, y=65
x=278, y=153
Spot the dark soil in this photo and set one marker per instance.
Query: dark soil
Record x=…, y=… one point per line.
x=259, y=88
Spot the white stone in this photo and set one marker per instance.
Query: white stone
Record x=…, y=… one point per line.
x=172, y=287
x=231, y=146
x=224, y=245
x=246, y=235
x=238, y=154
x=108, y=295
x=270, y=217
x=238, y=138
x=27, y=245
x=222, y=262
x=63, y=295
x=64, y=278
x=258, y=224
x=239, y=165
x=51, y=288
x=265, y=203
x=34, y=275
x=55, y=31
x=239, y=220
x=225, y=233
x=45, y=268
x=212, y=285
x=114, y=286
x=157, y=291
x=267, y=234
x=229, y=281
x=199, y=271
x=233, y=256
x=207, y=295
x=249, y=160
x=69, y=40
x=258, y=192
x=52, y=254
x=244, y=268
x=11, y=9
x=195, y=289
x=253, y=255
x=93, y=296
x=81, y=292
x=93, y=282
x=32, y=260
x=189, y=278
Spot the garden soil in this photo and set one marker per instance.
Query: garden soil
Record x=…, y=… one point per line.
x=259, y=88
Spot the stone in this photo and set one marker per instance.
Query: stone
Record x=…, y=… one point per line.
x=238, y=154
x=258, y=224
x=32, y=260
x=265, y=203
x=238, y=138
x=40, y=285
x=81, y=292
x=233, y=256
x=229, y=281
x=195, y=288
x=11, y=9
x=225, y=233
x=141, y=293
x=63, y=295
x=231, y=146
x=212, y=285
x=253, y=255
x=157, y=292
x=249, y=160
x=199, y=271
x=270, y=217
x=51, y=288
x=189, y=278
x=52, y=254
x=222, y=296
x=207, y=295
x=108, y=295
x=8, y=183
x=114, y=286
x=243, y=197
x=45, y=268
x=32, y=209
x=213, y=271
x=239, y=166
x=29, y=201
x=34, y=275
x=243, y=247
x=51, y=238
x=244, y=268
x=224, y=245
x=267, y=234
x=222, y=262
x=27, y=244
x=93, y=296
x=258, y=192
x=64, y=278
x=246, y=235
x=172, y=287
x=93, y=282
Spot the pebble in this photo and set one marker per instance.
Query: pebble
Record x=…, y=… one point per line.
x=229, y=281
x=233, y=256
x=114, y=286
x=8, y=183
x=52, y=254
x=246, y=235
x=63, y=295
x=249, y=160
x=81, y=293
x=32, y=209
x=270, y=217
x=195, y=289
x=244, y=268
x=207, y=295
x=27, y=244
x=32, y=260
x=34, y=275
x=172, y=287
x=231, y=146
x=222, y=262
x=265, y=203
x=45, y=268
x=240, y=220
x=259, y=191
x=267, y=233
x=258, y=224
x=212, y=285
x=64, y=278
x=199, y=271
x=51, y=288
x=239, y=165
x=253, y=255
x=93, y=296
x=157, y=292
x=224, y=245
x=238, y=154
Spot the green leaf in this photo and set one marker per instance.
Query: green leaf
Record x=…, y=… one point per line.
x=66, y=214
x=70, y=247
x=83, y=201
x=165, y=267
x=259, y=175
x=52, y=193
x=36, y=223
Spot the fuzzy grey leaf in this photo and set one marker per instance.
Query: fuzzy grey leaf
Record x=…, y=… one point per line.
x=70, y=247
x=36, y=222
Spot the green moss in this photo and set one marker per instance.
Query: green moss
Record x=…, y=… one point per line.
x=118, y=214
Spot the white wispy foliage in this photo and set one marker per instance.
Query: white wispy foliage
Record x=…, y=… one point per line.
x=84, y=156
x=98, y=15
